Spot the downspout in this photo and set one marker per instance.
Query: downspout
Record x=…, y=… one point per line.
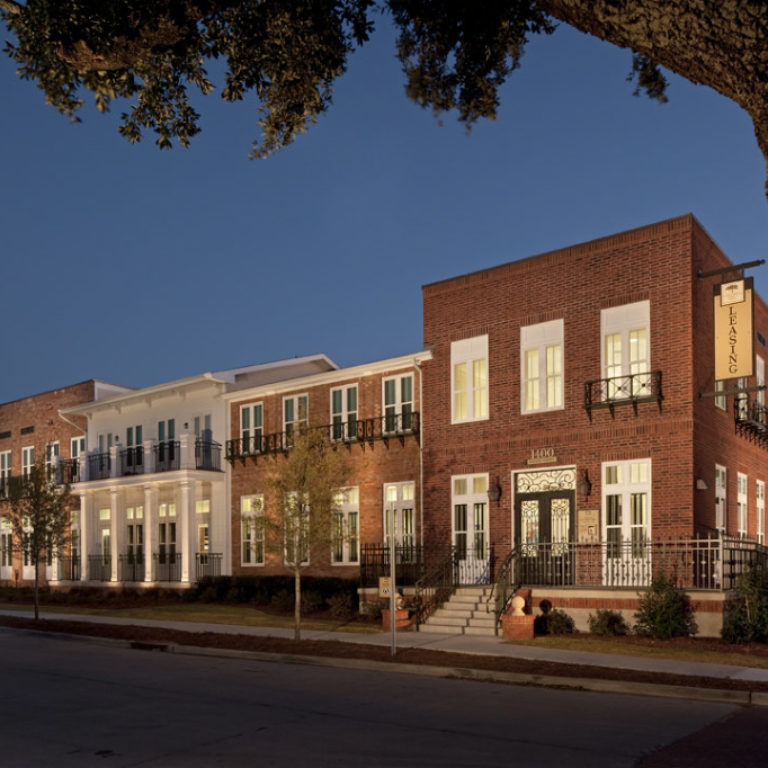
x=421, y=457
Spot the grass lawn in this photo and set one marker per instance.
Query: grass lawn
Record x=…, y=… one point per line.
x=710, y=651
x=206, y=613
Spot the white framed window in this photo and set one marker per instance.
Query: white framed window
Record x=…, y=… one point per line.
x=627, y=508
x=344, y=413
x=27, y=460
x=134, y=436
x=398, y=403
x=760, y=379
x=203, y=507
x=760, y=508
x=400, y=506
x=51, y=455
x=166, y=430
x=295, y=413
x=469, y=522
x=345, y=533
x=742, y=483
x=252, y=529
x=742, y=399
x=6, y=548
x=5, y=472
x=541, y=366
x=296, y=531
x=252, y=427
x=469, y=379
x=719, y=398
x=77, y=447
x=625, y=353
x=202, y=426
x=721, y=497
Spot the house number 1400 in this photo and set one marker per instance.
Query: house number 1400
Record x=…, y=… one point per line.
x=542, y=453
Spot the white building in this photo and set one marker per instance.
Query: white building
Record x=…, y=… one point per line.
x=154, y=491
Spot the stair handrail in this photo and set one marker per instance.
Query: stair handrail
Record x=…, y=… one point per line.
x=435, y=587
x=504, y=587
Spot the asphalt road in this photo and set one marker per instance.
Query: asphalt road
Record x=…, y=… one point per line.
x=72, y=702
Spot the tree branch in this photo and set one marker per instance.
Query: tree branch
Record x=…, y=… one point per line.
x=9, y=6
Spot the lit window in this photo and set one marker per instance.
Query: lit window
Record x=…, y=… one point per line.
x=541, y=355
x=469, y=379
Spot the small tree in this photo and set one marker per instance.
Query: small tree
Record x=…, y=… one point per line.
x=665, y=611
x=40, y=518
x=301, y=516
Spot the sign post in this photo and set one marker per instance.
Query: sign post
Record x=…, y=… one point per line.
x=392, y=585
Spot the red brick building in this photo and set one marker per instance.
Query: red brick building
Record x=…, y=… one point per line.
x=32, y=429
x=373, y=413
x=568, y=416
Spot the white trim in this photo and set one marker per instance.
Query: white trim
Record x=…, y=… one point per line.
x=467, y=352
x=760, y=508
x=721, y=497
x=742, y=504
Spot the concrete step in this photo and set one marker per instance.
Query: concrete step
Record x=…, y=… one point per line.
x=484, y=631
x=440, y=629
x=449, y=621
x=488, y=621
x=449, y=612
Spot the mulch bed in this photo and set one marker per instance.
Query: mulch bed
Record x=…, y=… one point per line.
x=336, y=649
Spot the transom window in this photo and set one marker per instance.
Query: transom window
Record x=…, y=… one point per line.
x=541, y=357
x=469, y=379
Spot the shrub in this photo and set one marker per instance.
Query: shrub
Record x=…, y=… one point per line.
x=283, y=600
x=372, y=609
x=664, y=612
x=607, y=623
x=553, y=622
x=311, y=601
x=341, y=606
x=746, y=617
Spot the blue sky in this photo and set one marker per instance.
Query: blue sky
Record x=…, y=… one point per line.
x=138, y=266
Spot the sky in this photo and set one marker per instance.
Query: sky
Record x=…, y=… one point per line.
x=137, y=266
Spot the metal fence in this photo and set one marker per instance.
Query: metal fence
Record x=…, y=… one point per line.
x=207, y=564
x=167, y=566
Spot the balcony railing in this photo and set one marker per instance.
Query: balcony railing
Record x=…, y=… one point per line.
x=68, y=568
x=207, y=564
x=131, y=567
x=208, y=455
x=99, y=466
x=398, y=425
x=751, y=417
x=166, y=566
x=99, y=567
x=623, y=390
x=68, y=471
x=167, y=456
x=131, y=460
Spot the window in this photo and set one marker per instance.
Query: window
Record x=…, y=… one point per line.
x=202, y=426
x=469, y=379
x=626, y=508
x=469, y=495
x=252, y=427
x=166, y=430
x=5, y=472
x=721, y=493
x=6, y=548
x=27, y=460
x=400, y=503
x=625, y=350
x=345, y=536
x=741, y=503
x=344, y=413
x=51, y=456
x=134, y=436
x=541, y=360
x=760, y=379
x=252, y=531
x=76, y=447
x=398, y=403
x=760, y=504
x=295, y=414
x=296, y=530
x=719, y=398
x=203, y=507
x=105, y=442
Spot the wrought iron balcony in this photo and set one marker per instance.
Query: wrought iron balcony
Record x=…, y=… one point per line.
x=99, y=466
x=623, y=390
x=131, y=460
x=399, y=425
x=131, y=567
x=751, y=417
x=167, y=455
x=68, y=471
x=208, y=455
x=207, y=564
x=99, y=567
x=167, y=565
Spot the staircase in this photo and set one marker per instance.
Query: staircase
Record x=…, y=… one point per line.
x=466, y=613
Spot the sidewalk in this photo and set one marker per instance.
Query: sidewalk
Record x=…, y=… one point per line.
x=490, y=646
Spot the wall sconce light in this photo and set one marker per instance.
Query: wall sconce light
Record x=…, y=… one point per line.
x=701, y=485
x=583, y=485
x=494, y=490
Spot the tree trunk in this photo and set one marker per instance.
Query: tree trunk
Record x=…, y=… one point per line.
x=297, y=603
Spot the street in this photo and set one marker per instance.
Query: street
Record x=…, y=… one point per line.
x=71, y=702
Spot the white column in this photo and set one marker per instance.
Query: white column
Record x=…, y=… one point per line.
x=85, y=530
x=150, y=524
x=149, y=456
x=187, y=446
x=114, y=504
x=186, y=529
x=221, y=528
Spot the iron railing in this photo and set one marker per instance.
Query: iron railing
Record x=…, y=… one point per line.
x=436, y=587
x=410, y=564
x=167, y=455
x=207, y=564
x=397, y=425
x=99, y=568
x=131, y=567
x=167, y=566
x=68, y=568
x=99, y=466
x=68, y=471
x=623, y=390
x=130, y=461
x=751, y=418
x=208, y=455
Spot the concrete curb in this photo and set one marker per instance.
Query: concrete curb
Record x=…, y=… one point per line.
x=719, y=695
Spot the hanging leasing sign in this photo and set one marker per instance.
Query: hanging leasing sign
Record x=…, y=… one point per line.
x=734, y=335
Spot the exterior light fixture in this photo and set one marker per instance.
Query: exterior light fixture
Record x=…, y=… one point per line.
x=494, y=490
x=583, y=485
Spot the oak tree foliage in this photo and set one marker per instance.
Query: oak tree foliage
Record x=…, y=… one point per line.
x=287, y=53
